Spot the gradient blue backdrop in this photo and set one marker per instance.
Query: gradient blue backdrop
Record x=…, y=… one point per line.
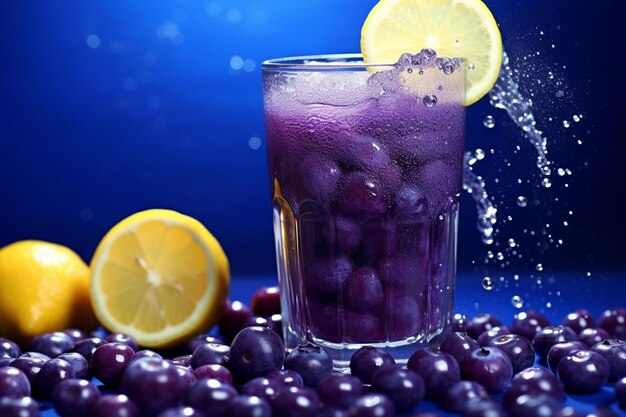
x=110, y=107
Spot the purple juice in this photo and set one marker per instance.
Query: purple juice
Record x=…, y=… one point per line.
x=366, y=167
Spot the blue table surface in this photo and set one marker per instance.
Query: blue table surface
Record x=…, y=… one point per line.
x=556, y=295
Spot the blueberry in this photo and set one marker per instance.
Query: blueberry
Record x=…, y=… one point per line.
x=367, y=360
x=583, y=371
x=404, y=387
x=235, y=314
x=549, y=336
x=201, y=339
x=620, y=392
x=266, y=301
x=328, y=275
x=311, y=361
x=210, y=354
x=481, y=323
x=359, y=326
x=112, y=405
x=8, y=348
x=52, y=374
x=439, y=370
x=459, y=323
x=561, y=350
x=123, y=339
x=13, y=382
x=363, y=291
x=488, y=366
x=347, y=233
x=579, y=320
x=461, y=394
x=519, y=350
x=459, y=345
x=52, y=344
x=255, y=351
x=86, y=347
x=614, y=322
x=262, y=387
x=295, y=402
x=210, y=397
x=145, y=353
x=484, y=409
x=570, y=412
x=18, y=407
x=286, y=377
x=487, y=335
x=404, y=315
x=214, y=371
x=340, y=390
x=153, y=384
x=109, y=361
x=541, y=405
x=76, y=334
x=249, y=406
x=75, y=398
x=79, y=363
x=361, y=194
x=533, y=382
x=30, y=366
x=181, y=411
x=373, y=405
x=318, y=178
x=592, y=336
x=186, y=375
x=614, y=351
x=332, y=411
x=528, y=323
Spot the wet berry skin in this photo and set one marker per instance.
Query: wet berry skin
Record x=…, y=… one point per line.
x=533, y=382
x=262, y=387
x=549, y=336
x=614, y=322
x=487, y=335
x=266, y=301
x=249, y=406
x=18, y=407
x=310, y=361
x=79, y=363
x=592, y=336
x=75, y=398
x=561, y=350
x=210, y=396
x=528, y=323
x=13, y=382
x=459, y=345
x=481, y=323
x=541, y=405
x=295, y=402
x=404, y=387
x=30, y=366
x=210, y=354
x=519, y=350
x=583, y=371
x=86, y=347
x=8, y=348
x=488, y=366
x=614, y=351
x=235, y=314
x=109, y=361
x=458, y=397
x=52, y=373
x=579, y=320
x=367, y=360
x=485, y=408
x=181, y=411
x=286, y=377
x=153, y=384
x=620, y=392
x=111, y=405
x=203, y=338
x=52, y=344
x=373, y=405
x=255, y=351
x=439, y=370
x=218, y=372
x=340, y=390
x=123, y=339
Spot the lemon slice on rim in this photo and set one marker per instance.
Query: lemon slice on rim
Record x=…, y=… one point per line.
x=160, y=277
x=454, y=28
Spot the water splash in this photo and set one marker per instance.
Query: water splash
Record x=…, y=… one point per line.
x=506, y=95
x=475, y=185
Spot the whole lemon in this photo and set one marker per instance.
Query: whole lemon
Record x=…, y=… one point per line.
x=44, y=287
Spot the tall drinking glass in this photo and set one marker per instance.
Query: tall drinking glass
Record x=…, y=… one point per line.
x=366, y=165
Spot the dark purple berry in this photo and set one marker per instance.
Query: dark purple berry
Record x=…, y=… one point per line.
x=532, y=382
x=579, y=320
x=13, y=382
x=256, y=321
x=8, y=348
x=570, y=412
x=620, y=392
x=614, y=322
x=461, y=394
x=332, y=411
x=614, y=351
x=439, y=370
x=18, y=407
x=340, y=390
x=181, y=411
x=459, y=323
x=266, y=301
x=235, y=314
x=201, y=339
x=485, y=408
x=249, y=406
x=255, y=351
x=123, y=339
x=52, y=344
x=262, y=387
x=373, y=405
x=186, y=375
x=404, y=387
x=214, y=371
x=528, y=323
x=311, y=361
x=52, y=374
x=481, y=323
x=490, y=367
x=210, y=354
x=363, y=291
x=112, y=405
x=540, y=405
x=79, y=363
x=275, y=322
x=367, y=360
x=361, y=194
x=75, y=398
x=549, y=336
x=146, y=353
x=459, y=345
x=561, y=350
x=30, y=366
x=109, y=361
x=519, y=350
x=592, y=336
x=86, y=347
x=286, y=377
x=153, y=384
x=295, y=402
x=76, y=334
x=487, y=335
x=583, y=371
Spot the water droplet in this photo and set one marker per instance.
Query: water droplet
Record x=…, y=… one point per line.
x=566, y=124
x=522, y=201
x=512, y=243
x=576, y=118
x=539, y=267
x=409, y=70
x=517, y=301
x=500, y=256
x=565, y=224
x=561, y=172
x=546, y=183
x=588, y=274
x=548, y=305
x=516, y=277
x=480, y=154
x=471, y=67
x=430, y=100
x=487, y=283
x=489, y=122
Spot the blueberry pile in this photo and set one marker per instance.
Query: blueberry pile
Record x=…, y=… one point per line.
x=481, y=368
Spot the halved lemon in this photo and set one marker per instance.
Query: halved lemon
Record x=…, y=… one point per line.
x=159, y=276
x=454, y=28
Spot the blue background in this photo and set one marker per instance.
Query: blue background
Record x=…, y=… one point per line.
x=110, y=107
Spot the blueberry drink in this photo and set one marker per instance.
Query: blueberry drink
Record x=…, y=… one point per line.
x=365, y=166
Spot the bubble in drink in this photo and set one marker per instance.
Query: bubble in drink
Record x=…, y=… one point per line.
x=566, y=124
x=488, y=283
x=430, y=100
x=546, y=183
x=489, y=122
x=512, y=243
x=522, y=201
x=539, y=267
x=517, y=301
x=561, y=172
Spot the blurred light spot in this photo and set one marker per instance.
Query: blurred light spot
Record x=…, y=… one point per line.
x=149, y=60
x=170, y=31
x=254, y=143
x=129, y=84
x=117, y=47
x=213, y=9
x=86, y=215
x=154, y=102
x=236, y=62
x=249, y=65
x=233, y=15
x=93, y=41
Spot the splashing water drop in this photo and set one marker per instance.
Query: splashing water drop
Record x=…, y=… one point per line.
x=517, y=301
x=576, y=118
x=479, y=154
x=546, y=183
x=430, y=100
x=566, y=124
x=548, y=305
x=516, y=277
x=489, y=122
x=475, y=185
x=539, y=267
x=512, y=243
x=561, y=172
x=488, y=283
x=522, y=201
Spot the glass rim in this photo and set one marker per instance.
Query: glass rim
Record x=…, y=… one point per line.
x=321, y=61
